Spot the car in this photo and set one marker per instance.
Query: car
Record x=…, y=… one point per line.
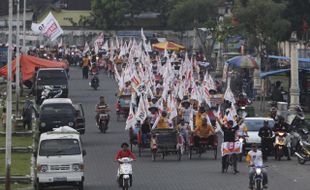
x=56, y=78
x=57, y=112
x=60, y=159
x=254, y=124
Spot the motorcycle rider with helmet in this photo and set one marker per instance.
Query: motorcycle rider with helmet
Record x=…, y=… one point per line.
x=265, y=133
x=255, y=159
x=282, y=126
x=99, y=109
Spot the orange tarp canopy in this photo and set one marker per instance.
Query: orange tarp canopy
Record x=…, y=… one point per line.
x=168, y=46
x=28, y=65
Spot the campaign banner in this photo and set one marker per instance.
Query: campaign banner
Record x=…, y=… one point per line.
x=231, y=148
x=49, y=27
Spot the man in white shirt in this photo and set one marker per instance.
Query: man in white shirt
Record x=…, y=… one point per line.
x=255, y=159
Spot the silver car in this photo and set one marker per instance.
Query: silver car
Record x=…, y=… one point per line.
x=254, y=124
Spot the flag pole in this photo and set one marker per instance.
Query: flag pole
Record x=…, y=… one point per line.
x=8, y=136
x=24, y=26
x=17, y=80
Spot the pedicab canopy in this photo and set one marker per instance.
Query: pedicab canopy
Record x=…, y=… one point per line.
x=28, y=65
x=168, y=46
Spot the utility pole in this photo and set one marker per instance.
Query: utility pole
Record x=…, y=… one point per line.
x=24, y=26
x=17, y=74
x=8, y=136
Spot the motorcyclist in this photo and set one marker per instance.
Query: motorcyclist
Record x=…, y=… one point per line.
x=102, y=107
x=254, y=158
x=265, y=133
x=229, y=136
x=282, y=126
x=123, y=153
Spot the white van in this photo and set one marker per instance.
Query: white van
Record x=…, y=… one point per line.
x=60, y=160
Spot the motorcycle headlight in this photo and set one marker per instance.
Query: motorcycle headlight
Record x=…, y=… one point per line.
x=77, y=167
x=43, y=124
x=71, y=124
x=42, y=168
x=258, y=171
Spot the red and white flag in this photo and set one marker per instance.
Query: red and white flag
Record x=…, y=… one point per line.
x=49, y=27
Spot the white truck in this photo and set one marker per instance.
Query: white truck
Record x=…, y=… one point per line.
x=60, y=159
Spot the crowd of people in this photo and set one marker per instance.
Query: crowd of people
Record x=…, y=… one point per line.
x=169, y=90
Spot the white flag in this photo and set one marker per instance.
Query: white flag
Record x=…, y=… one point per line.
x=86, y=48
x=49, y=27
x=130, y=119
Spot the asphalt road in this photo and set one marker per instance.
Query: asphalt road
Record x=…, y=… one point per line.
x=168, y=174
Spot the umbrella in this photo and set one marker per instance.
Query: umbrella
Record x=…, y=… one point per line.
x=244, y=61
x=168, y=46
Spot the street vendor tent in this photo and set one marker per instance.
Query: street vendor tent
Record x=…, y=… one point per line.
x=28, y=65
x=168, y=46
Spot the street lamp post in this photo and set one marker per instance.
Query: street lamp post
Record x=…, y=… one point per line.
x=294, y=90
x=8, y=136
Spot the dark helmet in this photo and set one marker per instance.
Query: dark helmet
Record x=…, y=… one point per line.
x=125, y=144
x=164, y=113
x=202, y=109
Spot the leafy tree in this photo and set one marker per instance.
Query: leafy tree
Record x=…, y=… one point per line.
x=261, y=22
x=189, y=13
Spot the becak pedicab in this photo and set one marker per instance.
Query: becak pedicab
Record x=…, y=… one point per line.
x=123, y=106
x=140, y=136
x=204, y=137
x=165, y=140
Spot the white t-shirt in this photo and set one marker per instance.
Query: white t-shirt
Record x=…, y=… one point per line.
x=256, y=158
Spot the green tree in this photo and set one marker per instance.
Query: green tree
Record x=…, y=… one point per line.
x=261, y=22
x=187, y=14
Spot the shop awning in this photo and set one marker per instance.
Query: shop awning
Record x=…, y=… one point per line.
x=271, y=73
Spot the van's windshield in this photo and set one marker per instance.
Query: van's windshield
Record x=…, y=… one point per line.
x=57, y=109
x=56, y=147
x=52, y=75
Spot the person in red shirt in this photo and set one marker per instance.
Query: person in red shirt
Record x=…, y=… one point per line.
x=125, y=152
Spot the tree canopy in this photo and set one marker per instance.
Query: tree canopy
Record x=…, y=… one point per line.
x=261, y=22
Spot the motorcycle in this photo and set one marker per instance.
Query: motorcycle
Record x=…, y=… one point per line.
x=124, y=175
x=103, y=119
x=50, y=92
x=94, y=83
x=303, y=154
x=280, y=145
x=258, y=177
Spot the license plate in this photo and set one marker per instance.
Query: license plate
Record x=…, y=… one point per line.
x=60, y=179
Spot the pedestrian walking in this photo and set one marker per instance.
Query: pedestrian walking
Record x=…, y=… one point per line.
x=27, y=113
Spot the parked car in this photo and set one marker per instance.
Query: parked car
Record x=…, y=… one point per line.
x=60, y=160
x=59, y=112
x=56, y=78
x=254, y=124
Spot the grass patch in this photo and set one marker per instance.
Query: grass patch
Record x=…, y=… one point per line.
x=16, y=186
x=20, y=164
x=18, y=141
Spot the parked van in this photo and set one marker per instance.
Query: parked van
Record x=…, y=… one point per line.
x=60, y=159
x=57, y=112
